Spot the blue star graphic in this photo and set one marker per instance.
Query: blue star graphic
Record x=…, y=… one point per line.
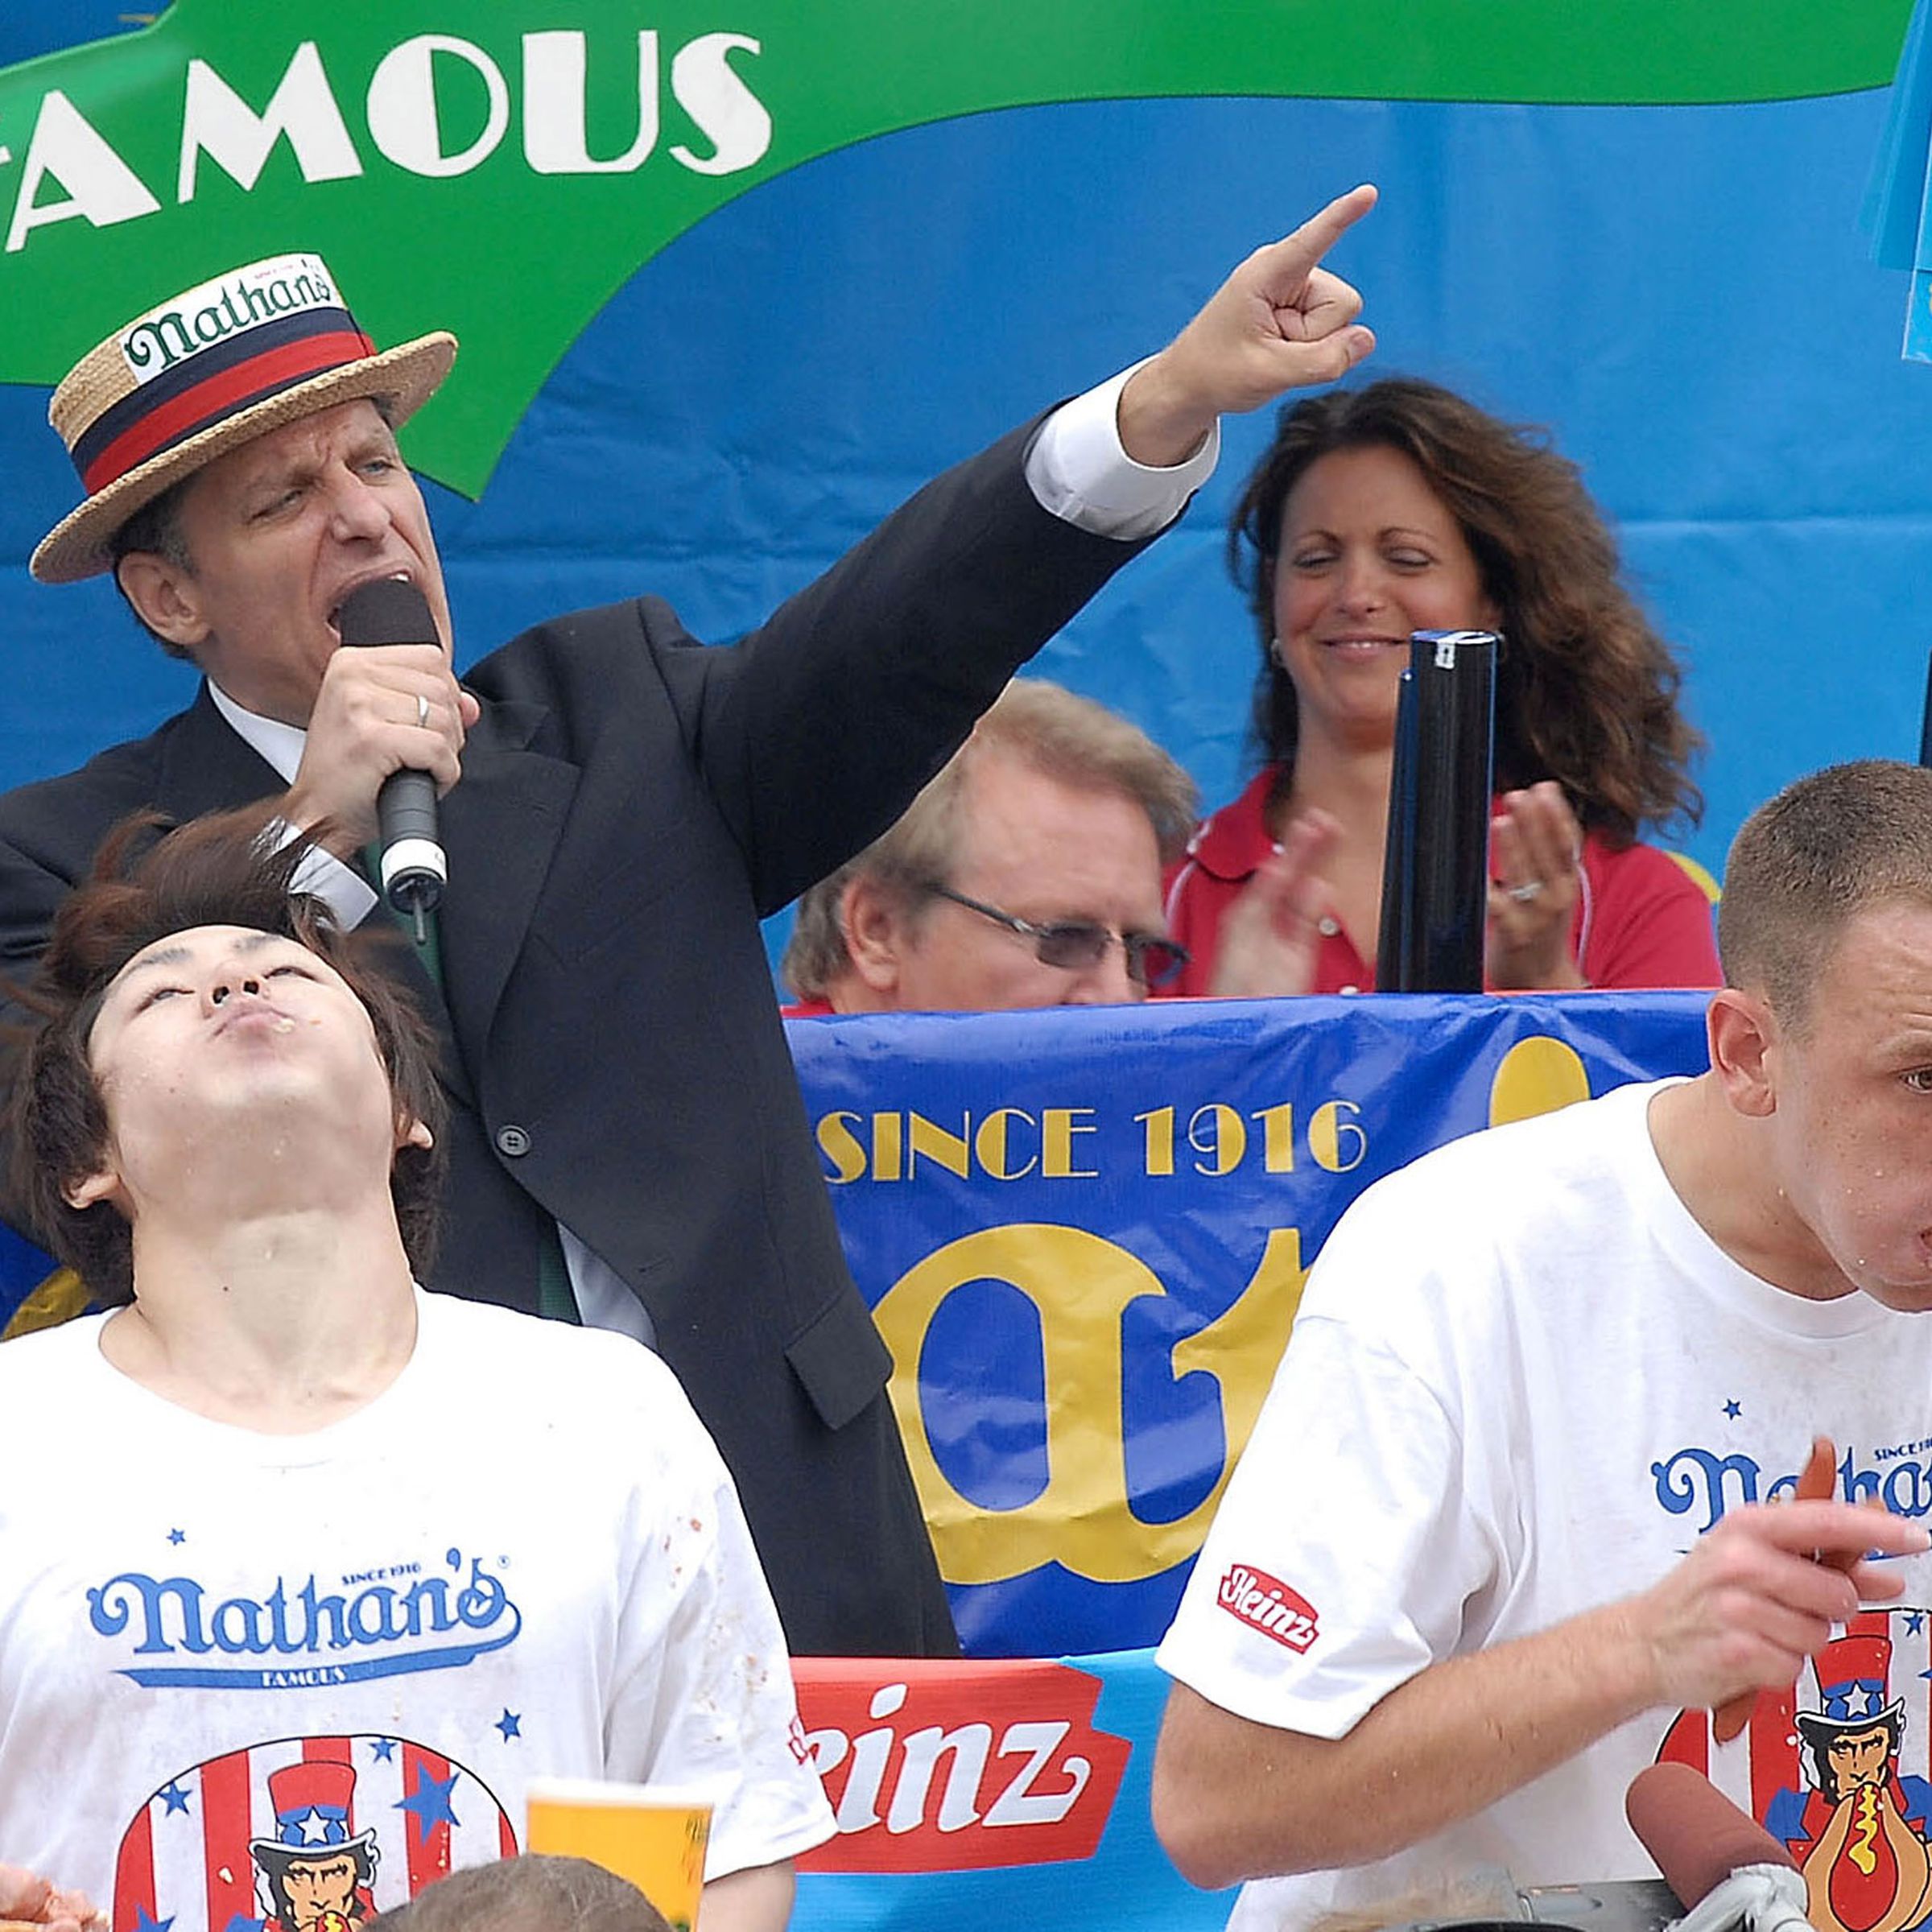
x=385, y=1748
x=511, y=1724
x=239, y=1924
x=1733, y=1411
x=1915, y=1621
x=143, y=1923
x=177, y=1536
x=176, y=1798
x=428, y=1804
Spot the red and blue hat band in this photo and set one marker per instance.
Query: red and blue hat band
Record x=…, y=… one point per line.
x=214, y=384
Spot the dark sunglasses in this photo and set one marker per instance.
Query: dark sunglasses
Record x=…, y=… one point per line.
x=1075, y=944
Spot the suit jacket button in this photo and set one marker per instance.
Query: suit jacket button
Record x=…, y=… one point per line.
x=512, y=1141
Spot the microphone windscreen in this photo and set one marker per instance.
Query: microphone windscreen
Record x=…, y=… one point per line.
x=1696, y=1835
x=392, y=610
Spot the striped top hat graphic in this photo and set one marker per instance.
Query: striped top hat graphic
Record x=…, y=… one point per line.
x=314, y=1803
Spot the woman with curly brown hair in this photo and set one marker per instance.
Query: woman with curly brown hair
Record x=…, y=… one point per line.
x=1401, y=507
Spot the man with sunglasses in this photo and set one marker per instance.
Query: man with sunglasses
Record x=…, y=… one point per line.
x=1027, y=873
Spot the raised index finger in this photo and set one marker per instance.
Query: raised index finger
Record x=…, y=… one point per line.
x=1298, y=253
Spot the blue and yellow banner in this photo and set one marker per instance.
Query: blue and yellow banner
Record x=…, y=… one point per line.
x=1084, y=1234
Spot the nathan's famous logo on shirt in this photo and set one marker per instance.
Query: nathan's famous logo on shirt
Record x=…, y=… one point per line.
x=1703, y=1484
x=1265, y=1603
x=301, y=1635
x=935, y=1767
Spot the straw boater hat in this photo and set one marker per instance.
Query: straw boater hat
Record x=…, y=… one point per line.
x=207, y=371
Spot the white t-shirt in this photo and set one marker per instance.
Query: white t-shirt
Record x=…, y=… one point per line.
x=523, y=1558
x=1522, y=1383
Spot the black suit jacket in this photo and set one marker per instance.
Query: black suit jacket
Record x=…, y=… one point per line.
x=631, y=804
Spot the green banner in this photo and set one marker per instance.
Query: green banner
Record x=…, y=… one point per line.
x=501, y=169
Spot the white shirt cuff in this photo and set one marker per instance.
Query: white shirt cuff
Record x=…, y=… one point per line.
x=1078, y=471
x=346, y=893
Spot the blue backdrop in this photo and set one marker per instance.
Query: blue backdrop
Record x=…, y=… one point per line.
x=1679, y=293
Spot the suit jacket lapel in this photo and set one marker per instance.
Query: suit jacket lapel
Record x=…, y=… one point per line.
x=501, y=825
x=207, y=766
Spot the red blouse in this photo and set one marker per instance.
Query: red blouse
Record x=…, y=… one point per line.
x=1641, y=919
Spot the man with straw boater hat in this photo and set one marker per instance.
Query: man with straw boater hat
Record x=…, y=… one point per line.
x=627, y=1145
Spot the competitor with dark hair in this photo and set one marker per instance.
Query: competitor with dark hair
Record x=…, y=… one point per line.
x=322, y=1549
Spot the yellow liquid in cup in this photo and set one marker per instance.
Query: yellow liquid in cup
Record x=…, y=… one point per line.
x=652, y=1834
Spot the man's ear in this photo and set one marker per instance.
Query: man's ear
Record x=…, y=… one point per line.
x=1744, y=1037
x=874, y=923
x=165, y=596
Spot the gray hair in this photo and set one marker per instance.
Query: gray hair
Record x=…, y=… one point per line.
x=1059, y=734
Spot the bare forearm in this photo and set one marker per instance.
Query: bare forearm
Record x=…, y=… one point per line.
x=756, y=1899
x=1756, y=1595
x=1436, y=1750
x=1162, y=421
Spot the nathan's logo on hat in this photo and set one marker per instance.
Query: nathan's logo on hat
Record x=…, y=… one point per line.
x=223, y=347
x=198, y=375
x=208, y=315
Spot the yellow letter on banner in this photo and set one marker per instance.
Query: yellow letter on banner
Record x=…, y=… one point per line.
x=1537, y=1076
x=1080, y=1284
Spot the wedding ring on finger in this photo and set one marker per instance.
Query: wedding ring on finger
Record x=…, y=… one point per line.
x=1530, y=889
x=421, y=712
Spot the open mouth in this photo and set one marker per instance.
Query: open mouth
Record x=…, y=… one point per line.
x=334, y=618
x=252, y=1016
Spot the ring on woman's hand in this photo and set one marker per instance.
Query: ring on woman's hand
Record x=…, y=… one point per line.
x=421, y=710
x=1530, y=889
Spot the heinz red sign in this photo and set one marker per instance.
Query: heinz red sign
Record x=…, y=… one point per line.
x=940, y=1766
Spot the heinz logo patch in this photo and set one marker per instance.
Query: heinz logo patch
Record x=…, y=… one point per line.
x=1267, y=1605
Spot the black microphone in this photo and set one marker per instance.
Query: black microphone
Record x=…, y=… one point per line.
x=412, y=870
x=1698, y=1838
